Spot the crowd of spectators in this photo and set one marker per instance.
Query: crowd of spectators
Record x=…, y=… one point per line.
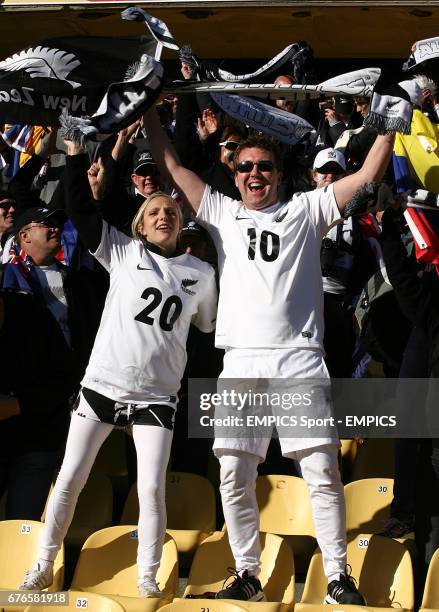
x=53, y=292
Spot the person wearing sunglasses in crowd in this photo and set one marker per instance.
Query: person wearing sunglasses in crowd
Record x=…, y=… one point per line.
x=137, y=362
x=7, y=218
x=220, y=175
x=64, y=300
x=205, y=139
x=270, y=322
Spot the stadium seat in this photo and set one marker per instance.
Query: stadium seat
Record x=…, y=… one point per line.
x=107, y=565
x=80, y=600
x=374, y=459
x=194, y=605
x=19, y=546
x=430, y=599
x=368, y=504
x=382, y=568
x=285, y=509
x=190, y=506
x=213, y=557
x=93, y=511
x=111, y=460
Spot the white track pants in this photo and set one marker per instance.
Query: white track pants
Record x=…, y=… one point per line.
x=153, y=445
x=321, y=472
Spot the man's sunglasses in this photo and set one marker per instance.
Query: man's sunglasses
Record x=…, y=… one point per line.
x=264, y=165
x=6, y=203
x=230, y=145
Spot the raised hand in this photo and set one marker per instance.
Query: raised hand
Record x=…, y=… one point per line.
x=96, y=179
x=207, y=124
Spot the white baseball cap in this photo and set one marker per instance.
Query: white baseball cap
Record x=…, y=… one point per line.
x=327, y=156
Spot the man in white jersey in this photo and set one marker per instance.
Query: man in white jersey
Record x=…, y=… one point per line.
x=270, y=321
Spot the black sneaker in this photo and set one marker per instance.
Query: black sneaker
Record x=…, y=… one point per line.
x=344, y=591
x=243, y=587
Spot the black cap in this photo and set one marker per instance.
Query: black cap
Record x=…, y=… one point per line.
x=343, y=104
x=38, y=214
x=193, y=229
x=143, y=158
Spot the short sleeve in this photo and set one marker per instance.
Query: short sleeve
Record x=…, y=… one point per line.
x=213, y=205
x=322, y=208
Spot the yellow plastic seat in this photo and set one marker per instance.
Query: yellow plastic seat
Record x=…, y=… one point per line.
x=338, y=608
x=285, y=509
x=190, y=506
x=430, y=599
x=375, y=458
x=111, y=460
x=213, y=556
x=368, y=504
x=107, y=565
x=80, y=600
x=194, y=605
x=19, y=547
x=382, y=568
x=93, y=511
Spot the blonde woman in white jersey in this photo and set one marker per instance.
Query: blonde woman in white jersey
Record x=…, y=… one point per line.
x=136, y=365
x=270, y=321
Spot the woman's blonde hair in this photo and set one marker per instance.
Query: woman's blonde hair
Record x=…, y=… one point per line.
x=138, y=219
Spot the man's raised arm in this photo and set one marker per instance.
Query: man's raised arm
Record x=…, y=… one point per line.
x=186, y=182
x=372, y=170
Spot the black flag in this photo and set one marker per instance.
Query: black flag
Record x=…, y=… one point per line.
x=110, y=81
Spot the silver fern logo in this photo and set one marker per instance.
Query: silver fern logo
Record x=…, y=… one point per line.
x=186, y=283
x=43, y=62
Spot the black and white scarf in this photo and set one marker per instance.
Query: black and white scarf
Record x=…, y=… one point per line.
x=421, y=198
x=422, y=51
x=392, y=106
x=356, y=83
x=158, y=28
x=208, y=71
x=272, y=121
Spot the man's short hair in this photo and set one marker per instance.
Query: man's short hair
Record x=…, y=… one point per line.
x=235, y=129
x=260, y=142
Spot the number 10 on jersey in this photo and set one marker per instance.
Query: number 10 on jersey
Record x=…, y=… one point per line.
x=267, y=244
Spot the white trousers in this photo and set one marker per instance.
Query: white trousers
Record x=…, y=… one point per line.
x=153, y=446
x=321, y=472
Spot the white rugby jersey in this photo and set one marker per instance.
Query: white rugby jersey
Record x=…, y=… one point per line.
x=269, y=262
x=139, y=354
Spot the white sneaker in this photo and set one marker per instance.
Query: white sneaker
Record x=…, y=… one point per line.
x=37, y=579
x=148, y=587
